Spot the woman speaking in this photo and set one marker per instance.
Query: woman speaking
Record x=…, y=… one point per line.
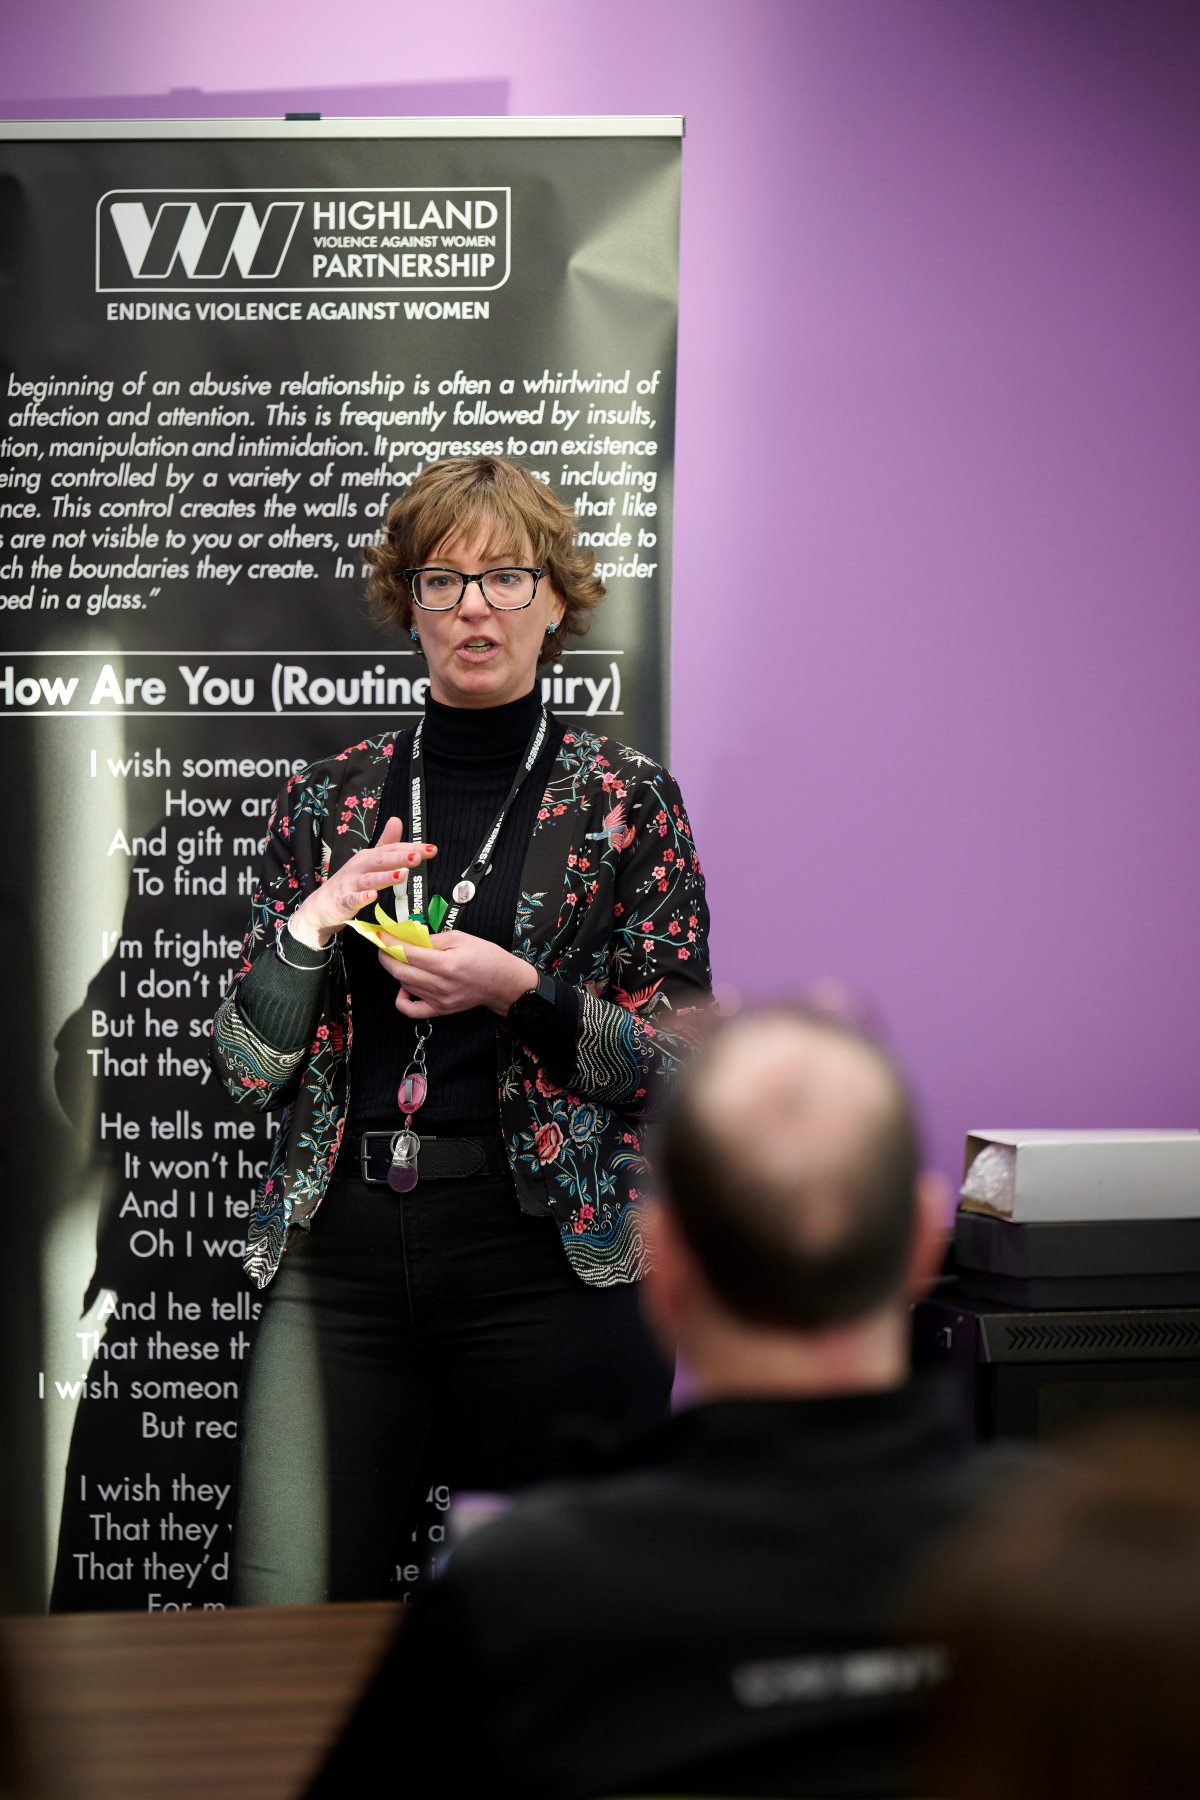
x=449, y=1234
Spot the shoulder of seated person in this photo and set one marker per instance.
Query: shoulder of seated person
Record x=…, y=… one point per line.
x=560, y=1520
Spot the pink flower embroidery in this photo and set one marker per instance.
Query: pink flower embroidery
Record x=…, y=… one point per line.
x=548, y=1141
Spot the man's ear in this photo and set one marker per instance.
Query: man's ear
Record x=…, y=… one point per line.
x=931, y=1233
x=664, y=1291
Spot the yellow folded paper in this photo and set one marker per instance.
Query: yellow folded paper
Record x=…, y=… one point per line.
x=390, y=933
x=409, y=931
x=375, y=936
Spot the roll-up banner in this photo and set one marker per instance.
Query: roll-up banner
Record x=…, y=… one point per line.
x=225, y=348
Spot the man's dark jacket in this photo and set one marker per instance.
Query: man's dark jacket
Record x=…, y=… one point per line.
x=717, y=1617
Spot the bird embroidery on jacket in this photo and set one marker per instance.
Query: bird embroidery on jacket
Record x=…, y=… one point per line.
x=634, y=1002
x=619, y=835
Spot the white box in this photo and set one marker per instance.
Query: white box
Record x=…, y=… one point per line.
x=1064, y=1175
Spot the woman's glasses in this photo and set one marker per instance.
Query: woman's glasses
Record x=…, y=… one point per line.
x=505, y=590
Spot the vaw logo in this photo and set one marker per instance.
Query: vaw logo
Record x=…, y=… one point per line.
x=179, y=243
x=431, y=240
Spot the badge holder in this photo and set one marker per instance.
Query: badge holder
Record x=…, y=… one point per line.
x=410, y=1096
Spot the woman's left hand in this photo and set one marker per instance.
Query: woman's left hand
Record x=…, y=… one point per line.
x=456, y=972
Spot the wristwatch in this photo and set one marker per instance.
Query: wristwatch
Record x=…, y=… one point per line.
x=534, y=1007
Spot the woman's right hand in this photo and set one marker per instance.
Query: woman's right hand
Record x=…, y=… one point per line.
x=356, y=884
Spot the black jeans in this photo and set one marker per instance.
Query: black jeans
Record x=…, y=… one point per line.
x=439, y=1335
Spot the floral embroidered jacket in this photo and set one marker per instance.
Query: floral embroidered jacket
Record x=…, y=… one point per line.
x=611, y=900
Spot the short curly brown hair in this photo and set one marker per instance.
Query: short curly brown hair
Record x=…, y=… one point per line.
x=464, y=495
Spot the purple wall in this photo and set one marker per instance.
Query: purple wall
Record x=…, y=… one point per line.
x=936, y=639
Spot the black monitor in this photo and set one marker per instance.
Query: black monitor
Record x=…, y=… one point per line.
x=1045, y=1374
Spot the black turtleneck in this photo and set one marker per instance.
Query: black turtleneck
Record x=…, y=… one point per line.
x=471, y=755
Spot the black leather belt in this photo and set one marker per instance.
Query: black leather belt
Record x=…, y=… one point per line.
x=441, y=1158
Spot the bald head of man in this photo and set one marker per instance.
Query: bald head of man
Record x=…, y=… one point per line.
x=791, y=1199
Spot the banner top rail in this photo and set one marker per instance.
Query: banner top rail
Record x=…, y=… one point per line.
x=643, y=126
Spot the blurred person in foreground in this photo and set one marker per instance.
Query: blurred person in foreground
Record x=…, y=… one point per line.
x=716, y=1614
x=1072, y=1621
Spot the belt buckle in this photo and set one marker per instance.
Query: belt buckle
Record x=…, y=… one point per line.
x=364, y=1159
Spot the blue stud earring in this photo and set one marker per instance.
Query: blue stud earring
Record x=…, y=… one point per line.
x=412, y=632
x=552, y=628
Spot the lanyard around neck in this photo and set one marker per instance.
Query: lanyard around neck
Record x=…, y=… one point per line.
x=479, y=866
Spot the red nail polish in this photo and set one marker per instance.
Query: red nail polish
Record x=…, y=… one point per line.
x=396, y=874
x=411, y=857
